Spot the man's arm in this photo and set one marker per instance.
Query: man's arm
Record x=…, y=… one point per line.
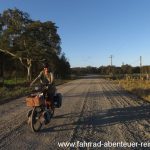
x=37, y=78
x=52, y=77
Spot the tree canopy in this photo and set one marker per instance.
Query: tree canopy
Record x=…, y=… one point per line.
x=29, y=41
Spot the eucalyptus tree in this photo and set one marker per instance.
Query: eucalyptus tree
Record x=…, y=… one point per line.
x=28, y=40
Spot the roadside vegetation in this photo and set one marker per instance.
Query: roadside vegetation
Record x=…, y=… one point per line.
x=12, y=90
x=138, y=87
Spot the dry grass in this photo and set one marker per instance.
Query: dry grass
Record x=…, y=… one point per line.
x=137, y=86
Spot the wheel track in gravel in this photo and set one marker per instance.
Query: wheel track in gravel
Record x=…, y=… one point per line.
x=73, y=136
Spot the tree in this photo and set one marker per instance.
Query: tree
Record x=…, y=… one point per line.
x=1, y=68
x=28, y=40
x=64, y=66
x=126, y=69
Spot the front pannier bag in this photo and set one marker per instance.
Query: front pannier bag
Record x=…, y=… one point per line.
x=34, y=100
x=58, y=100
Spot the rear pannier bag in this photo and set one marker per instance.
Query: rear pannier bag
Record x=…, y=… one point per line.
x=58, y=100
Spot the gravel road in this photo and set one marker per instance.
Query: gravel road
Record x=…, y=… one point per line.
x=94, y=111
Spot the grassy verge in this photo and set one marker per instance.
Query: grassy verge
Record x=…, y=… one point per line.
x=12, y=90
x=6, y=92
x=14, y=81
x=139, y=87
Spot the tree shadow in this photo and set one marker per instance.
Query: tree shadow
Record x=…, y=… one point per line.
x=98, y=119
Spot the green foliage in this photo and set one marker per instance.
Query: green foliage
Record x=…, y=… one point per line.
x=30, y=41
x=27, y=38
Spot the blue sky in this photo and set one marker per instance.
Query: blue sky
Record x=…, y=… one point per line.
x=92, y=30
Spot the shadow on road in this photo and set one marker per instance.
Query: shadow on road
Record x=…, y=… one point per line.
x=96, y=119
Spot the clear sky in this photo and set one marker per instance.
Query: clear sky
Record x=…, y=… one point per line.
x=92, y=30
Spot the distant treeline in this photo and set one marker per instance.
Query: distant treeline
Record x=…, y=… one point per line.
x=111, y=70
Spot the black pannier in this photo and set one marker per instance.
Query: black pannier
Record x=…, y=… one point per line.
x=58, y=100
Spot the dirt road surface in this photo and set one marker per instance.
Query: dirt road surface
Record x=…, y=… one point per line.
x=93, y=111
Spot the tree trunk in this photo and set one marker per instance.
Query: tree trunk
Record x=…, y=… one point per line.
x=1, y=69
x=29, y=64
x=29, y=73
